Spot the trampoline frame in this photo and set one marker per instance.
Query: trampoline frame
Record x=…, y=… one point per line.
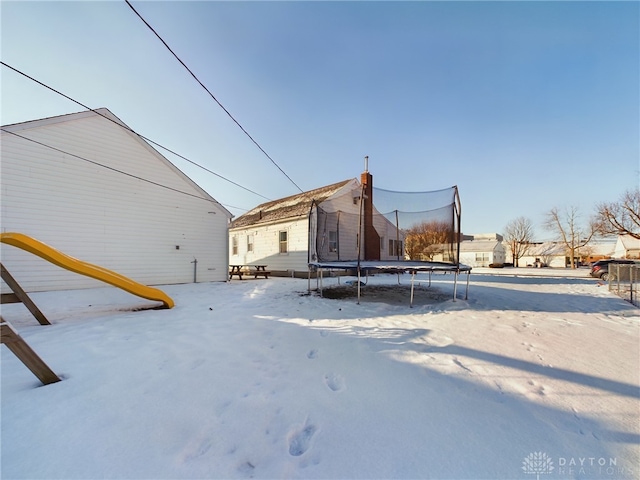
x=397, y=267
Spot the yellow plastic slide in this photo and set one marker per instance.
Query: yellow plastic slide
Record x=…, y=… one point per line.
x=62, y=260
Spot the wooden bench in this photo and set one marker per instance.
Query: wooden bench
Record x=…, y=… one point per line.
x=260, y=271
x=255, y=270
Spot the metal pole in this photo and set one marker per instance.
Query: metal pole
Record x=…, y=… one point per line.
x=338, y=235
x=413, y=274
x=632, y=272
x=466, y=292
x=455, y=285
x=360, y=235
x=397, y=238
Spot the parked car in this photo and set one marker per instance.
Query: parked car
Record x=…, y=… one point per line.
x=600, y=269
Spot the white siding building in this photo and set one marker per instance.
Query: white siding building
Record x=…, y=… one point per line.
x=96, y=191
x=546, y=254
x=627, y=247
x=482, y=253
x=278, y=234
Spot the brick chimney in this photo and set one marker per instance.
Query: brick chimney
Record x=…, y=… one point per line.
x=371, y=237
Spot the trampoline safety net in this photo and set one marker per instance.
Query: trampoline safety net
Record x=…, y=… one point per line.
x=374, y=224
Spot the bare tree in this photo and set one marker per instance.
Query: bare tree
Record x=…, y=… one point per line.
x=566, y=225
x=518, y=234
x=622, y=217
x=426, y=239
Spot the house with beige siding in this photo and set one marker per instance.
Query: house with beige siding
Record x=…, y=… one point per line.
x=88, y=186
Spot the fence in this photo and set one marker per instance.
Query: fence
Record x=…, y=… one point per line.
x=624, y=281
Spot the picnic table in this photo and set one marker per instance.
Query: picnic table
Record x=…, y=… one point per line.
x=255, y=270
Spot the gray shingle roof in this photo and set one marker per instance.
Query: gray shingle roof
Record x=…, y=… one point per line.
x=288, y=207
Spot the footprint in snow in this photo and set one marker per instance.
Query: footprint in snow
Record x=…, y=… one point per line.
x=334, y=381
x=197, y=448
x=301, y=440
x=312, y=354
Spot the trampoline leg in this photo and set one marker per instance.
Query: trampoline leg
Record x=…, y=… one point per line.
x=413, y=275
x=321, y=270
x=466, y=292
x=358, y=303
x=455, y=286
x=430, y=272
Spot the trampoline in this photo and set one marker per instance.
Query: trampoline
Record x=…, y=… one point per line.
x=383, y=231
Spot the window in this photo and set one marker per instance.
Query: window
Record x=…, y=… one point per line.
x=283, y=241
x=395, y=248
x=234, y=245
x=333, y=242
x=249, y=243
x=482, y=257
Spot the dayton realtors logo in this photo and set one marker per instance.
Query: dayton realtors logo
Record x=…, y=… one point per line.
x=537, y=463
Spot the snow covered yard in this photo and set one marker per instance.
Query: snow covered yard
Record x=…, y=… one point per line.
x=535, y=375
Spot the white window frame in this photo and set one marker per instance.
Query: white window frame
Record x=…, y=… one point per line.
x=283, y=243
x=333, y=242
x=234, y=245
x=395, y=248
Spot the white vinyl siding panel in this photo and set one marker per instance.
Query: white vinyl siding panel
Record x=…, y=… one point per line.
x=266, y=247
x=101, y=215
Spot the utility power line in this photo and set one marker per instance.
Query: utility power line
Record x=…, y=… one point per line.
x=131, y=130
x=211, y=94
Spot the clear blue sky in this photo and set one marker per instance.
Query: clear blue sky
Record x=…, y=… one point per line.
x=524, y=105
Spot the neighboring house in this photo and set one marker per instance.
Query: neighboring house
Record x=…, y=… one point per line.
x=482, y=251
x=545, y=254
x=627, y=247
x=93, y=189
x=597, y=250
x=286, y=234
x=555, y=254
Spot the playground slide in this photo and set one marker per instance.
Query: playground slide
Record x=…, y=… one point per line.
x=62, y=260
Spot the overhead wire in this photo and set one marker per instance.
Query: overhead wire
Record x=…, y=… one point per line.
x=211, y=94
x=131, y=130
